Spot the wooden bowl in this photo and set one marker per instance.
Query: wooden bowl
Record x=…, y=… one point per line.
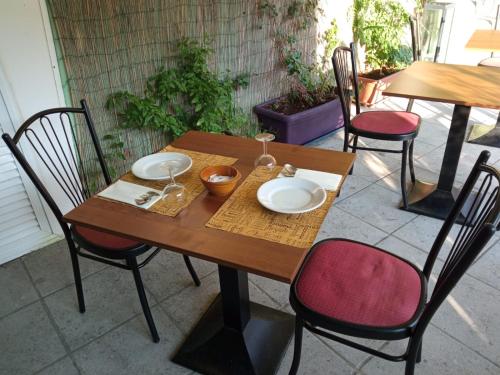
x=224, y=188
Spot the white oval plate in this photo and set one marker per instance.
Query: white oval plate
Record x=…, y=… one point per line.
x=154, y=166
x=291, y=195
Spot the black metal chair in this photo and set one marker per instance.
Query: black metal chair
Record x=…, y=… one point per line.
x=54, y=137
x=382, y=125
x=359, y=290
x=415, y=47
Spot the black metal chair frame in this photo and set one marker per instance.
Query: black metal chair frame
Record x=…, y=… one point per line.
x=415, y=47
x=347, y=82
x=67, y=172
x=480, y=225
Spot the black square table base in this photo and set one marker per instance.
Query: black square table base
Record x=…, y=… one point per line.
x=213, y=348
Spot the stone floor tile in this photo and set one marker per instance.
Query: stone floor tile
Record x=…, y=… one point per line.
x=277, y=290
x=28, y=341
x=126, y=350
x=110, y=297
x=440, y=355
x=16, y=288
x=340, y=224
x=51, y=268
x=487, y=267
x=379, y=207
x=187, y=307
x=393, y=181
x=63, y=367
x=167, y=273
x=470, y=314
x=352, y=185
x=373, y=166
x=316, y=359
x=420, y=148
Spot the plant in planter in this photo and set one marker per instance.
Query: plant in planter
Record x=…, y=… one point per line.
x=311, y=108
x=378, y=27
x=188, y=96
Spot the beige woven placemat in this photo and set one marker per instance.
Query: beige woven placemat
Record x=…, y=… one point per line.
x=243, y=214
x=190, y=179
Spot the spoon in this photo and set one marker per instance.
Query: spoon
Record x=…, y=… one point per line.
x=143, y=198
x=289, y=170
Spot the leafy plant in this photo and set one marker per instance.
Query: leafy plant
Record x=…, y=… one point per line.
x=188, y=96
x=311, y=84
x=379, y=26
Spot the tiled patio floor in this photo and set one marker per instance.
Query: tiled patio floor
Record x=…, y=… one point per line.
x=42, y=332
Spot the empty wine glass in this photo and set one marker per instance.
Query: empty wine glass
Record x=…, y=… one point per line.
x=174, y=192
x=265, y=159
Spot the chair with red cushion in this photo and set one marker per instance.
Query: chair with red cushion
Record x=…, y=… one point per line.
x=399, y=126
x=355, y=289
x=56, y=136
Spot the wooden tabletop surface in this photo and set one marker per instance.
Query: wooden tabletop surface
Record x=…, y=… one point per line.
x=485, y=40
x=473, y=86
x=187, y=233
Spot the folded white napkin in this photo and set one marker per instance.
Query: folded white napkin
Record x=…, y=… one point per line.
x=329, y=181
x=127, y=192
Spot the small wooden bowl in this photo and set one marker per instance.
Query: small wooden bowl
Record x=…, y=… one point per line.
x=224, y=188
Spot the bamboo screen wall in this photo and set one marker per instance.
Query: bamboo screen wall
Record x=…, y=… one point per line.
x=105, y=46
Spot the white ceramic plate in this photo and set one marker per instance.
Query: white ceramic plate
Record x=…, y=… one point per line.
x=154, y=166
x=291, y=195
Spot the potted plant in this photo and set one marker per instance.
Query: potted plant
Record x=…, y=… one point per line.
x=311, y=109
x=378, y=27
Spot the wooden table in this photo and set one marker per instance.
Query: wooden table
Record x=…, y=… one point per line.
x=484, y=40
x=463, y=85
x=235, y=336
x=487, y=41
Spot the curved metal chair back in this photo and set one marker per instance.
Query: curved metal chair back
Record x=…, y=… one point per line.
x=479, y=203
x=346, y=76
x=53, y=136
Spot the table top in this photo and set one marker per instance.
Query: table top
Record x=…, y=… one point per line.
x=472, y=86
x=485, y=40
x=187, y=234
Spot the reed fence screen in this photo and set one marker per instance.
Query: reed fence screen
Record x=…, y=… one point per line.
x=104, y=46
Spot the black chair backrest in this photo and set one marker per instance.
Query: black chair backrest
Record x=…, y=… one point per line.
x=479, y=203
x=346, y=76
x=53, y=136
x=415, y=38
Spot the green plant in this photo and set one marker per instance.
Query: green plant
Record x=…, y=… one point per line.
x=311, y=84
x=188, y=96
x=378, y=26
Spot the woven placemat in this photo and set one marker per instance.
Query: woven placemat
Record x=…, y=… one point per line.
x=190, y=179
x=243, y=214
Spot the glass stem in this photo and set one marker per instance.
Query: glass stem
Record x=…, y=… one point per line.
x=264, y=145
x=171, y=175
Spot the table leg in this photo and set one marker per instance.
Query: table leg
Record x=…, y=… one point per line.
x=437, y=200
x=236, y=336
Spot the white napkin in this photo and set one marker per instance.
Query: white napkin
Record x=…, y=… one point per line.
x=127, y=192
x=329, y=181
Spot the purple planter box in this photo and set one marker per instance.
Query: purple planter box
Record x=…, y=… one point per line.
x=301, y=127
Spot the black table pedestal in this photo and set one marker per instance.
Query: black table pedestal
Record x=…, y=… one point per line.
x=236, y=336
x=436, y=200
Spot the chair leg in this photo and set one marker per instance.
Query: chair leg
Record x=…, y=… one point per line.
x=410, y=162
x=413, y=356
x=419, y=353
x=78, y=278
x=410, y=105
x=403, y=174
x=191, y=270
x=354, y=147
x=132, y=262
x=297, y=346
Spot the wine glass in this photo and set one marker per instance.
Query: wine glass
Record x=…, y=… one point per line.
x=265, y=159
x=174, y=192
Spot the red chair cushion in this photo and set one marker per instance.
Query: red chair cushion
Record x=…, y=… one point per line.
x=359, y=284
x=386, y=122
x=108, y=241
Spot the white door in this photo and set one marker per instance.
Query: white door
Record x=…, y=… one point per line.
x=23, y=222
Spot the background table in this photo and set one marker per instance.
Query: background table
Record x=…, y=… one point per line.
x=463, y=85
x=235, y=336
x=487, y=41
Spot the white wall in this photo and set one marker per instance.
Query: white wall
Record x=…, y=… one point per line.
x=27, y=59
